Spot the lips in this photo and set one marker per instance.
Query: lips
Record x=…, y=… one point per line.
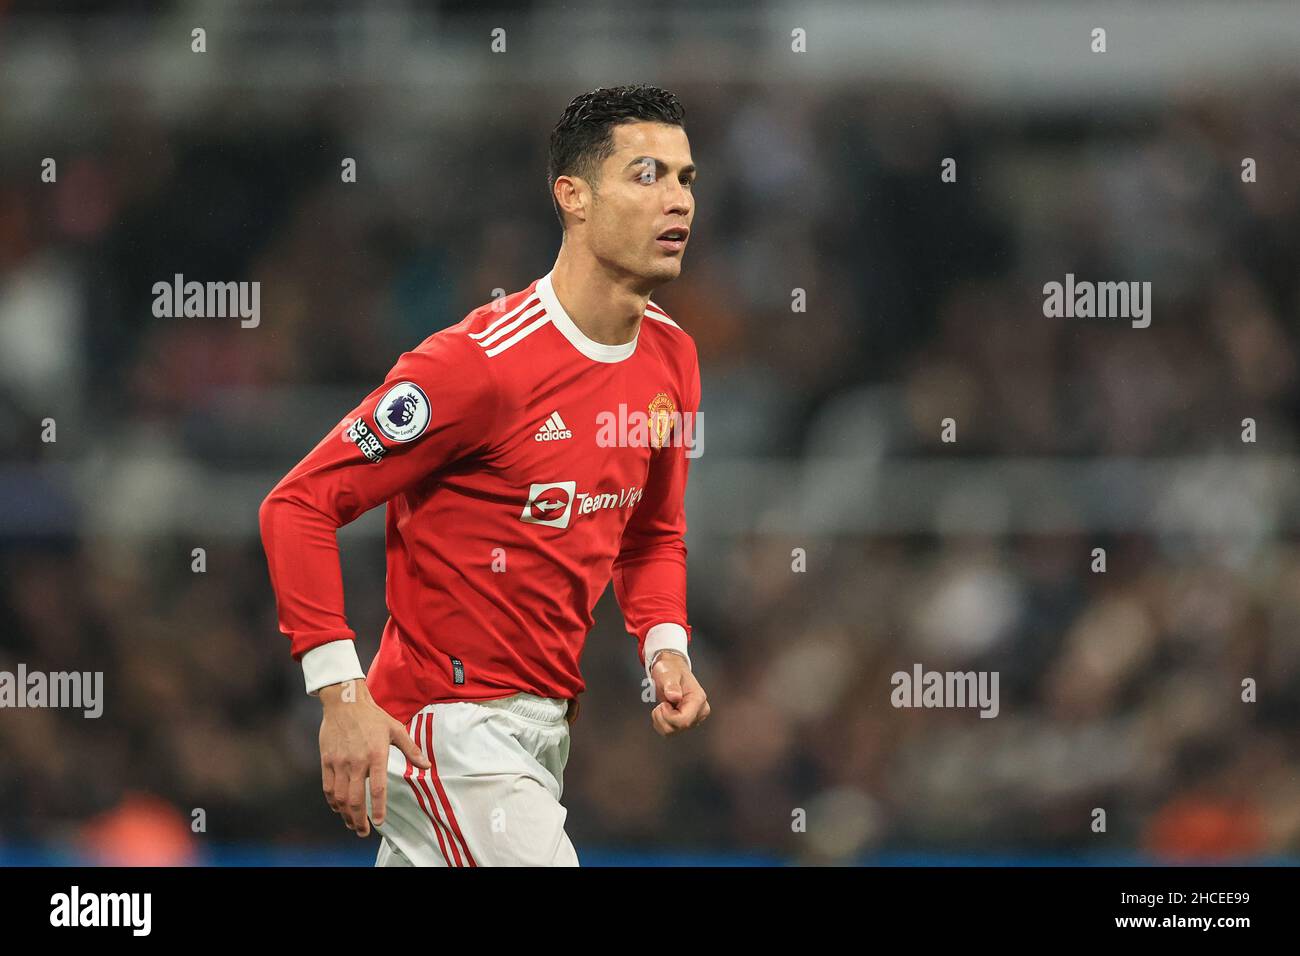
x=674, y=239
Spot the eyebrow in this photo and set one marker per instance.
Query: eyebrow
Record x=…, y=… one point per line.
x=660, y=165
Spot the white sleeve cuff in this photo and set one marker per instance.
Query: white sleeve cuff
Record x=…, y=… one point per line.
x=664, y=637
x=331, y=663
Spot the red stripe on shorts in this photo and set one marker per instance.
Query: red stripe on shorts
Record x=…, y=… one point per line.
x=419, y=797
x=423, y=778
x=451, y=815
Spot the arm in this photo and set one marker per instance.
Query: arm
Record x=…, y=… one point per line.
x=650, y=580
x=446, y=394
x=435, y=406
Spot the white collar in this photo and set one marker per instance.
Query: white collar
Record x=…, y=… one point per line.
x=596, y=351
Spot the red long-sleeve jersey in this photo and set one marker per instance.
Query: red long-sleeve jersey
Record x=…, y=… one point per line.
x=524, y=465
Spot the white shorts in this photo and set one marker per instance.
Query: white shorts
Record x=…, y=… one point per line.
x=492, y=797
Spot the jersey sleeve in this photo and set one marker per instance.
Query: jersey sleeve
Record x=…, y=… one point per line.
x=650, y=569
x=437, y=405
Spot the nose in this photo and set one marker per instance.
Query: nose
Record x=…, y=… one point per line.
x=679, y=201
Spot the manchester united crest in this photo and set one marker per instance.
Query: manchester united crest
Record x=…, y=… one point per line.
x=661, y=419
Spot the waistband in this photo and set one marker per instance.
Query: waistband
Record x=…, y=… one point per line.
x=551, y=710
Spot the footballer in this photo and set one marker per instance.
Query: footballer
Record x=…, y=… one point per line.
x=509, y=510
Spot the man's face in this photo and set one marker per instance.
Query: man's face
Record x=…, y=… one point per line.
x=644, y=191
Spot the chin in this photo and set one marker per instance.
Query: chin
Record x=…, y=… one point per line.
x=666, y=270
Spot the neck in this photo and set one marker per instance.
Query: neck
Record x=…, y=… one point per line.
x=607, y=306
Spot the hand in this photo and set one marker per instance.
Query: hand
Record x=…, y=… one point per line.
x=682, y=701
x=354, y=736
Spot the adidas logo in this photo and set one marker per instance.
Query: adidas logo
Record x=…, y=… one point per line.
x=553, y=429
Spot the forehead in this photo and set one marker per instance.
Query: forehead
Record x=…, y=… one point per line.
x=660, y=140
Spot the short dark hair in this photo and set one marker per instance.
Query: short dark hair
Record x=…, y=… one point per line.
x=583, y=137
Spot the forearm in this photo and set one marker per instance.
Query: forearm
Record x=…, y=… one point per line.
x=302, y=554
x=650, y=585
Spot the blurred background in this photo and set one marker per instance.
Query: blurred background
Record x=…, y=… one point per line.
x=820, y=171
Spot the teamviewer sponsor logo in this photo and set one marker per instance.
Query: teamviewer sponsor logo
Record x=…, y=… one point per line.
x=549, y=503
x=624, y=498
x=552, y=503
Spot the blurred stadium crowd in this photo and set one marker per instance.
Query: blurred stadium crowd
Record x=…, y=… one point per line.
x=1119, y=691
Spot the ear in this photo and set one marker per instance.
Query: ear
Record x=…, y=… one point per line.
x=572, y=195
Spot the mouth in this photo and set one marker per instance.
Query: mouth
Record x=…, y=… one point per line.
x=674, y=239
